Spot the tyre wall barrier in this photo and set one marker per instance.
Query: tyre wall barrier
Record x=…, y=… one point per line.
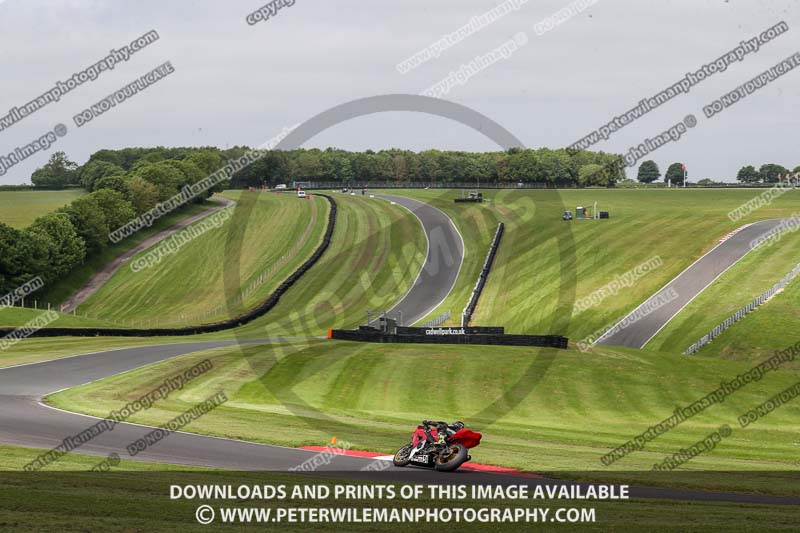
x=466, y=315
x=230, y=323
x=546, y=341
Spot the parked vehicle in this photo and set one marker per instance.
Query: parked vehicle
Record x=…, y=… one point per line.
x=301, y=194
x=438, y=445
x=280, y=186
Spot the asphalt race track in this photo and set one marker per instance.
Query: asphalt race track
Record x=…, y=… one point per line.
x=26, y=421
x=442, y=264
x=643, y=325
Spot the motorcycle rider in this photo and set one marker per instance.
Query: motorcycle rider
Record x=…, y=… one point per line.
x=443, y=429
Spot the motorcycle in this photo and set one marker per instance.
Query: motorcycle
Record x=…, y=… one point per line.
x=428, y=450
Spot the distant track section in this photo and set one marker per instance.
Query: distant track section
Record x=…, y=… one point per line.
x=638, y=327
x=442, y=264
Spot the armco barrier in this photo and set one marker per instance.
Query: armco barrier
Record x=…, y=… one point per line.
x=231, y=323
x=544, y=341
x=466, y=315
x=741, y=313
x=472, y=330
x=441, y=319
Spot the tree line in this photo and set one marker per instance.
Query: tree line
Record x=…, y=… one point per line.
x=767, y=173
x=563, y=167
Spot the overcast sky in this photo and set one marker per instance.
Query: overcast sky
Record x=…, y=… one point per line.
x=236, y=83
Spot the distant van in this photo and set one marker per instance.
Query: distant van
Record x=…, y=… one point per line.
x=280, y=186
x=301, y=194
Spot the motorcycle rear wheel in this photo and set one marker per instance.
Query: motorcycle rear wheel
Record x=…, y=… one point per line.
x=457, y=457
x=401, y=458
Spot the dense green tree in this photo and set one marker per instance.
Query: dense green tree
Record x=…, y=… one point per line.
x=89, y=221
x=748, y=174
x=335, y=165
x=430, y=170
x=114, y=182
x=648, y=172
x=166, y=178
x=108, y=156
x=206, y=160
x=770, y=171
x=554, y=166
x=593, y=175
x=523, y=166
x=58, y=172
x=95, y=170
x=117, y=211
x=144, y=195
x=674, y=174
x=54, y=246
x=12, y=263
x=36, y=249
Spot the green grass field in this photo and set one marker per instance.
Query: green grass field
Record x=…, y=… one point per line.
x=22, y=315
x=376, y=252
x=544, y=264
x=528, y=267
x=61, y=290
x=19, y=208
x=58, y=292
x=550, y=411
x=197, y=284
x=544, y=411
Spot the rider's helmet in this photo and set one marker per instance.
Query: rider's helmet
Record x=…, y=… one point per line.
x=458, y=424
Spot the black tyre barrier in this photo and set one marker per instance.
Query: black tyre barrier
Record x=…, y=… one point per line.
x=230, y=323
x=545, y=341
x=466, y=315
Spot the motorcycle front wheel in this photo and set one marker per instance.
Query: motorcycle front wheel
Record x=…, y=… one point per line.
x=450, y=461
x=401, y=458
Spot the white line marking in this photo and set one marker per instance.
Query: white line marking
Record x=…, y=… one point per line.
x=460, y=265
x=182, y=432
x=427, y=251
